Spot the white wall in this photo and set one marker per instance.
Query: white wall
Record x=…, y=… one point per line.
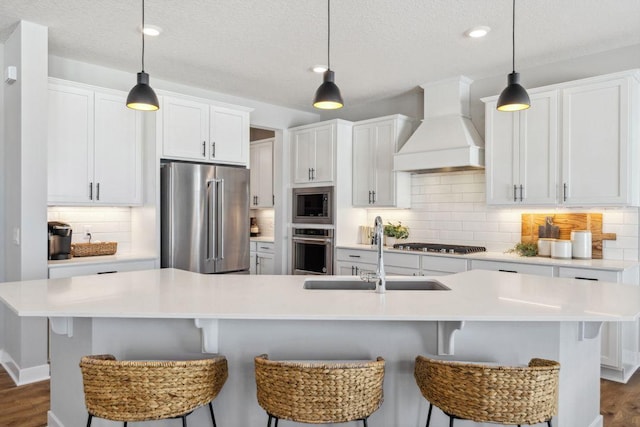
x=450, y=208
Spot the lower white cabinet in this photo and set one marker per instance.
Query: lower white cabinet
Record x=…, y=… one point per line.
x=512, y=267
x=262, y=258
x=439, y=266
x=71, y=270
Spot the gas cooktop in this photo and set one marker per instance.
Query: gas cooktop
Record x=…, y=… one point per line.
x=439, y=248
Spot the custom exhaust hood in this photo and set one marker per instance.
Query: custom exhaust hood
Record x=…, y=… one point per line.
x=446, y=140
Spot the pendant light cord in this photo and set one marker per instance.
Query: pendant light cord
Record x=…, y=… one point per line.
x=328, y=34
x=513, y=38
x=142, y=31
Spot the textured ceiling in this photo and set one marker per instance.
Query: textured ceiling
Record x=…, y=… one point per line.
x=263, y=49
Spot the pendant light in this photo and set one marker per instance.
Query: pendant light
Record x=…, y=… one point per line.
x=328, y=94
x=142, y=97
x=514, y=97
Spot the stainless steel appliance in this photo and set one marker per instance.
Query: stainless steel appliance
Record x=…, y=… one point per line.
x=439, y=248
x=313, y=205
x=204, y=217
x=59, y=240
x=312, y=251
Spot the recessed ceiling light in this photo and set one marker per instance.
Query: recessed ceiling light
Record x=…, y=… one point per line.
x=477, y=32
x=151, y=30
x=319, y=69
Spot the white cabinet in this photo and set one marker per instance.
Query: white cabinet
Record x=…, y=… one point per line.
x=431, y=265
x=94, y=147
x=512, y=267
x=375, y=141
x=261, y=177
x=522, y=152
x=313, y=149
x=592, y=123
x=262, y=258
x=355, y=261
x=84, y=268
x=599, y=142
x=194, y=129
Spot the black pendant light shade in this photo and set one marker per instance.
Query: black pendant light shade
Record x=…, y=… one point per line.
x=142, y=97
x=328, y=95
x=514, y=97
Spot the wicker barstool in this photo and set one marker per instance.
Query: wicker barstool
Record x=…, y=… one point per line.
x=319, y=392
x=490, y=393
x=120, y=390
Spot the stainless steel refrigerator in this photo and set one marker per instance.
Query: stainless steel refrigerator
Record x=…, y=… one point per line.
x=204, y=217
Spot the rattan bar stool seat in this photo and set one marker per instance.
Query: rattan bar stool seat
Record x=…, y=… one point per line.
x=120, y=390
x=319, y=392
x=512, y=395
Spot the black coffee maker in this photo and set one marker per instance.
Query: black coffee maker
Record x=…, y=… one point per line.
x=59, y=240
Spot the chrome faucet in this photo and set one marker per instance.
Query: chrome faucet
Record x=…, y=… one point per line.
x=381, y=286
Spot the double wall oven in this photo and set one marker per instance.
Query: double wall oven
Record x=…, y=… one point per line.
x=312, y=231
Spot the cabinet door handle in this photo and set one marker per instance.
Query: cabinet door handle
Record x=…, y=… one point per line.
x=352, y=271
x=564, y=191
x=521, y=191
x=273, y=199
x=204, y=148
x=515, y=193
x=313, y=174
x=98, y=191
x=357, y=270
x=213, y=149
x=369, y=196
x=508, y=271
x=586, y=278
x=374, y=196
x=91, y=191
x=309, y=174
x=256, y=200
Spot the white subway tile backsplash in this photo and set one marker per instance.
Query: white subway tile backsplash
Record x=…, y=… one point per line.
x=461, y=216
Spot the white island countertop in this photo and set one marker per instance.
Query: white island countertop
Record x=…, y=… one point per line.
x=169, y=293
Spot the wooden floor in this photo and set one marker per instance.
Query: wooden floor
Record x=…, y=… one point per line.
x=24, y=406
x=27, y=406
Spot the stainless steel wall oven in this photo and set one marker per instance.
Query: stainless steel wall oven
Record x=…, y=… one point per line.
x=312, y=251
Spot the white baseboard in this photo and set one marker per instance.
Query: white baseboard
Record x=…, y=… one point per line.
x=26, y=375
x=598, y=422
x=53, y=421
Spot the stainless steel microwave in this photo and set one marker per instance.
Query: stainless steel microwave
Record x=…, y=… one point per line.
x=313, y=205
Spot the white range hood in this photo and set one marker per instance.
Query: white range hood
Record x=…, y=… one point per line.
x=446, y=140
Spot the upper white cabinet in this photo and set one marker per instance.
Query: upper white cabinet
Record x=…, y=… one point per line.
x=522, y=152
x=313, y=150
x=375, y=141
x=194, y=129
x=94, y=147
x=261, y=174
x=600, y=142
x=576, y=146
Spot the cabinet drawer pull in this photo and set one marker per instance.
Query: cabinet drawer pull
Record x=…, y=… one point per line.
x=354, y=256
x=107, y=272
x=508, y=271
x=586, y=278
x=265, y=248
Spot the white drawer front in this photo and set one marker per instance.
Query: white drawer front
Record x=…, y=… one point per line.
x=402, y=260
x=264, y=247
x=354, y=255
x=109, y=267
x=436, y=264
x=512, y=267
x=589, y=274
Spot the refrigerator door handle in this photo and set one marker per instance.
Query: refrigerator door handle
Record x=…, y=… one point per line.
x=222, y=220
x=213, y=220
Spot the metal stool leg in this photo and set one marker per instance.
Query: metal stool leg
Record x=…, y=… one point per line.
x=276, y=421
x=364, y=421
x=269, y=420
x=429, y=414
x=125, y=424
x=549, y=423
x=450, y=420
x=184, y=420
x=213, y=418
x=89, y=420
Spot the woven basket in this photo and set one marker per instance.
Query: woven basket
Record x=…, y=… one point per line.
x=149, y=390
x=488, y=393
x=318, y=392
x=93, y=249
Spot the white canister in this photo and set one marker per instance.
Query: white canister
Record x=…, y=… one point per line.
x=561, y=249
x=581, y=244
x=544, y=246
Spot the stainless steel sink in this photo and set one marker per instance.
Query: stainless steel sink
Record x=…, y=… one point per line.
x=392, y=285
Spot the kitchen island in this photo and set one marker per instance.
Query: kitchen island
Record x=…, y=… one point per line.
x=163, y=314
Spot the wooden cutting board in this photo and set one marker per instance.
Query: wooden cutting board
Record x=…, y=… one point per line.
x=567, y=222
